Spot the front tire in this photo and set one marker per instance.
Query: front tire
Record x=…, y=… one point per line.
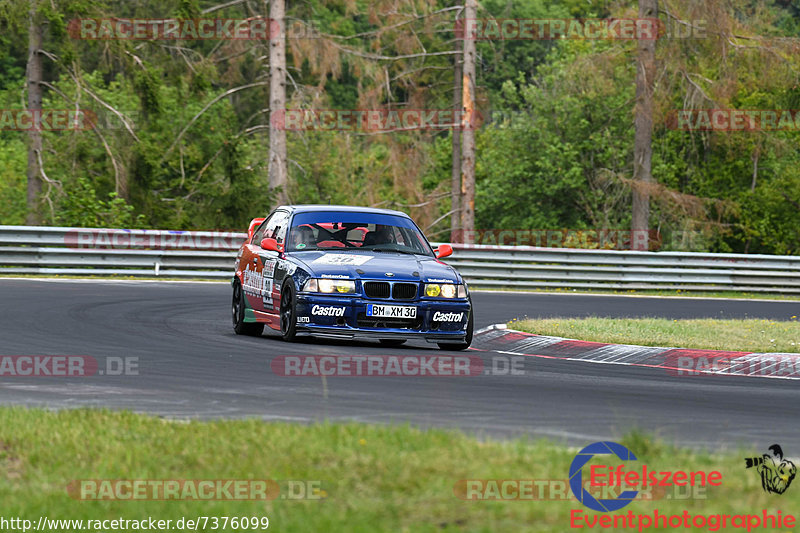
x=459, y=346
x=288, y=312
x=238, y=306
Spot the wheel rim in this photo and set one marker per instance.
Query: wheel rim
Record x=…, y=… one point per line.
x=286, y=311
x=237, y=304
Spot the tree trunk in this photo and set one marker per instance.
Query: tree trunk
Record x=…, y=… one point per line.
x=643, y=131
x=278, y=178
x=468, y=135
x=34, y=79
x=456, y=234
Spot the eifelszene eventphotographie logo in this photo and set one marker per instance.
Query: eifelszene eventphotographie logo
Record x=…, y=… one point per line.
x=630, y=474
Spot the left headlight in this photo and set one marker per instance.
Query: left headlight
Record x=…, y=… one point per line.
x=445, y=290
x=330, y=286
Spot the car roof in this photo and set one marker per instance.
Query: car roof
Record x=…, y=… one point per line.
x=310, y=208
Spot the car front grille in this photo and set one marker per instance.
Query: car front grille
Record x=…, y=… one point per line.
x=404, y=291
x=394, y=290
x=377, y=289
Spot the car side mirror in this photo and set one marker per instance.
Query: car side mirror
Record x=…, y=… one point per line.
x=444, y=250
x=271, y=245
x=252, y=229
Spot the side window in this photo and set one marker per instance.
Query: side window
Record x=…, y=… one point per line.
x=275, y=227
x=259, y=233
x=280, y=227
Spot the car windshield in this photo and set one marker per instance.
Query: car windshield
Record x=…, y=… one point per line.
x=343, y=231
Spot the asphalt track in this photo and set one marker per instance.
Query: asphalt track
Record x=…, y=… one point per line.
x=190, y=364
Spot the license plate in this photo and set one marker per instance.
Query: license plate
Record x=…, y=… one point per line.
x=391, y=311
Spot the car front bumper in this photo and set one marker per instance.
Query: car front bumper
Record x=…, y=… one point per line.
x=436, y=320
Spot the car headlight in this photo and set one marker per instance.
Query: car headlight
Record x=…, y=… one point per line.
x=445, y=290
x=448, y=290
x=330, y=286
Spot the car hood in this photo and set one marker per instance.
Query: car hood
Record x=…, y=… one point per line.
x=365, y=265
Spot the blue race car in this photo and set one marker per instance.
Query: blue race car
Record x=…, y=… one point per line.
x=348, y=272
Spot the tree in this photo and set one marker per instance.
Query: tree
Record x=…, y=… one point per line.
x=278, y=179
x=34, y=85
x=455, y=175
x=643, y=129
x=468, y=108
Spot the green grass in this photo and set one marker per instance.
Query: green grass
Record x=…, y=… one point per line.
x=373, y=478
x=753, y=335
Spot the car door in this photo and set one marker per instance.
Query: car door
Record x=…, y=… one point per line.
x=271, y=266
x=252, y=270
x=256, y=279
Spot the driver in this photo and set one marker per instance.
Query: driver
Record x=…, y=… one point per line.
x=303, y=236
x=383, y=234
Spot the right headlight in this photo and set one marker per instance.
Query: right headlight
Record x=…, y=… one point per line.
x=445, y=290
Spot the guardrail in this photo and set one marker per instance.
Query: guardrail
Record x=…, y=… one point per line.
x=210, y=255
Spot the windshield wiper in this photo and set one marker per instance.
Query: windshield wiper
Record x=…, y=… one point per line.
x=393, y=250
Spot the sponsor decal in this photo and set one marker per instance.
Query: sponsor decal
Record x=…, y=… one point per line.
x=440, y=280
x=269, y=274
x=438, y=316
x=257, y=284
x=342, y=259
x=269, y=267
x=319, y=310
x=335, y=276
x=288, y=266
x=303, y=319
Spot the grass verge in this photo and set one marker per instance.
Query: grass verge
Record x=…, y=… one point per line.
x=753, y=335
x=371, y=478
